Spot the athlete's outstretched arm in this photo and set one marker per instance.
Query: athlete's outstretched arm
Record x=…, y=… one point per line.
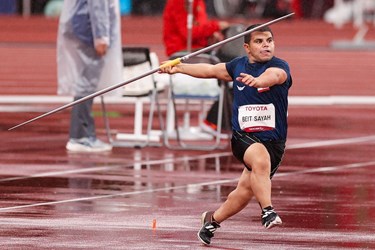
x=200, y=70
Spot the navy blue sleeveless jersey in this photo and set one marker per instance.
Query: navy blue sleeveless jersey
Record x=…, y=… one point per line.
x=245, y=95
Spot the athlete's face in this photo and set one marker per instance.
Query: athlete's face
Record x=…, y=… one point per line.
x=261, y=46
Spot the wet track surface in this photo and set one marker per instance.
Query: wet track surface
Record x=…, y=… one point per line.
x=324, y=193
x=152, y=198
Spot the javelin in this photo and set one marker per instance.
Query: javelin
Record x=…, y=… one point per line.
x=167, y=64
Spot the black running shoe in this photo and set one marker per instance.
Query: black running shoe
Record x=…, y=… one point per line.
x=270, y=218
x=208, y=228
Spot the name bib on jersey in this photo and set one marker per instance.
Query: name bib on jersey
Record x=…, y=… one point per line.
x=256, y=118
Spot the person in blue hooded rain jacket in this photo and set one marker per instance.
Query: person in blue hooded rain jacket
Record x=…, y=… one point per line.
x=88, y=59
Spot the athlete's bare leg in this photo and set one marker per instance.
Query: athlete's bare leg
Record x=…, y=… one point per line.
x=251, y=183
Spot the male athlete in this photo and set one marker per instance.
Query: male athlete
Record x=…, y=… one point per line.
x=261, y=83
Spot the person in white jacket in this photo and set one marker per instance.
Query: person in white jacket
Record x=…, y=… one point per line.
x=88, y=58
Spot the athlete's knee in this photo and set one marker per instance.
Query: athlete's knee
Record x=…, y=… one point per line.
x=258, y=159
x=262, y=167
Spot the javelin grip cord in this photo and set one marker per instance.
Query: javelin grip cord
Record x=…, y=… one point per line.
x=170, y=63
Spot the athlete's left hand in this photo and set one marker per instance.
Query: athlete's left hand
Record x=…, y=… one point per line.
x=248, y=80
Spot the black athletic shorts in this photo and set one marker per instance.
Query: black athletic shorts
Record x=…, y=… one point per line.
x=242, y=140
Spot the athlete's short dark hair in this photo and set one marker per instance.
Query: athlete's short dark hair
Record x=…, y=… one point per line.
x=247, y=37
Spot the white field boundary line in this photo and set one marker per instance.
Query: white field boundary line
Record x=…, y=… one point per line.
x=187, y=158
x=331, y=100
x=104, y=168
x=293, y=100
x=56, y=99
x=313, y=170
x=328, y=168
x=332, y=142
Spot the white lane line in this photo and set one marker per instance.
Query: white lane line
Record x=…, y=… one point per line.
x=65, y=172
x=117, y=195
x=188, y=158
x=331, y=100
x=293, y=100
x=332, y=142
x=174, y=160
x=104, y=168
x=321, y=169
x=328, y=169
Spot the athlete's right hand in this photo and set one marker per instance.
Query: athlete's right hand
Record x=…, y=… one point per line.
x=170, y=67
x=166, y=68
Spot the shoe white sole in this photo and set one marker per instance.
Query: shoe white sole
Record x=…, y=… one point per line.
x=80, y=148
x=276, y=222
